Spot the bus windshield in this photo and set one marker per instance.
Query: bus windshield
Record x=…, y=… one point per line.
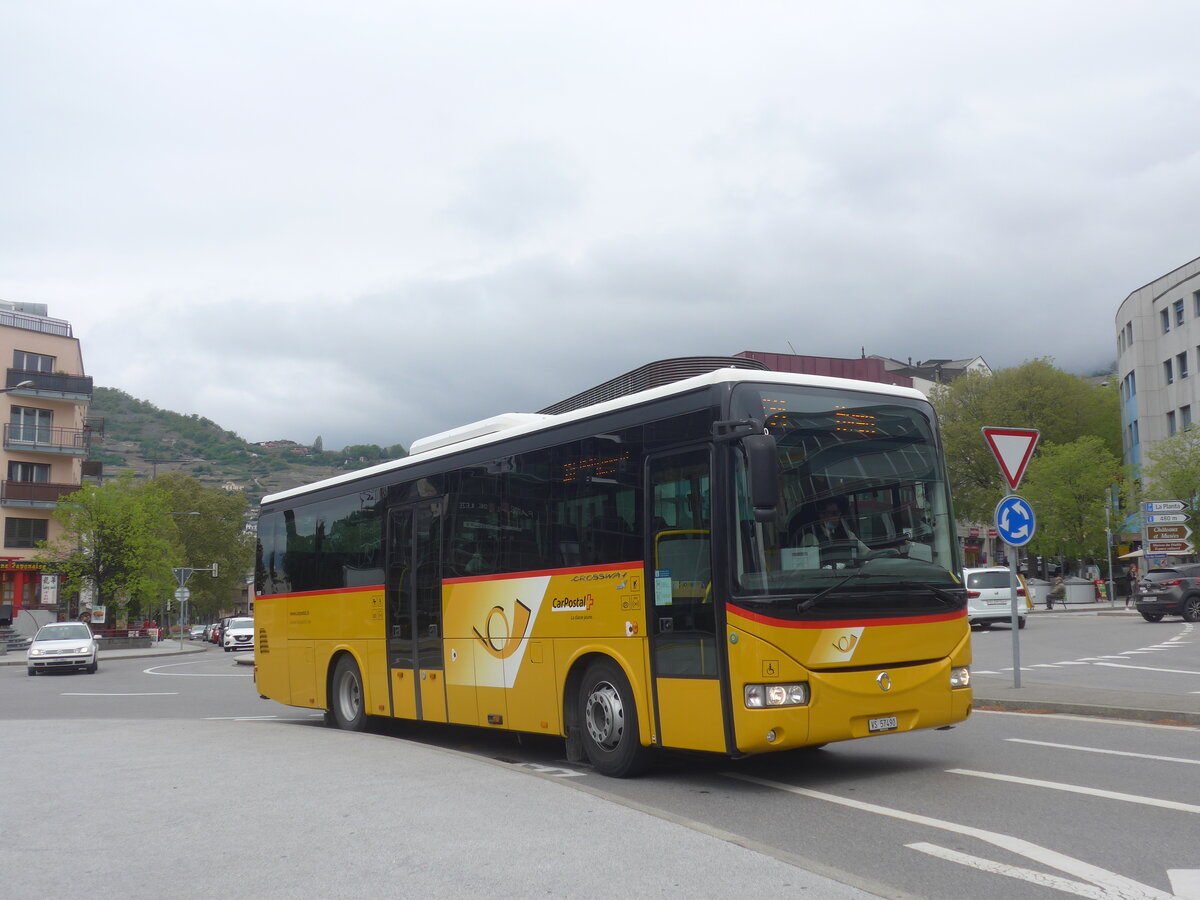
x=862, y=499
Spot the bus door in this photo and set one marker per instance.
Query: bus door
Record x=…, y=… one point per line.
x=682, y=616
x=414, y=622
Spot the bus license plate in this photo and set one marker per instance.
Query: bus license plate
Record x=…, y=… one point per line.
x=885, y=723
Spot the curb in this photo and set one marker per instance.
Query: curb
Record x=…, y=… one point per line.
x=1155, y=716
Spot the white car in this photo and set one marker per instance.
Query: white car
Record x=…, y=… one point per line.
x=63, y=645
x=989, y=597
x=238, y=634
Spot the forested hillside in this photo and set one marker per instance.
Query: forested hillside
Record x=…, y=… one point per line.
x=137, y=435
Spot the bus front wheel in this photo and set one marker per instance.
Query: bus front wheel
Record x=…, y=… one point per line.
x=346, y=706
x=610, y=725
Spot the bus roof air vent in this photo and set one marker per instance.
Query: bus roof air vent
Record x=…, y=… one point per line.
x=495, y=424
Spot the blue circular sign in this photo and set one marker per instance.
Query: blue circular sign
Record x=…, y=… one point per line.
x=1015, y=521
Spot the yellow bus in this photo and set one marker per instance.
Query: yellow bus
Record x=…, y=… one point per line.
x=636, y=568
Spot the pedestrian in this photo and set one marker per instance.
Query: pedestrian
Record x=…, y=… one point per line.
x=1058, y=592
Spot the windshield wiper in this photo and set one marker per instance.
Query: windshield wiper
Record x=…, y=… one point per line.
x=947, y=597
x=815, y=598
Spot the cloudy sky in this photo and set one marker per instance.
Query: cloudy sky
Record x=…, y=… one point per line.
x=372, y=221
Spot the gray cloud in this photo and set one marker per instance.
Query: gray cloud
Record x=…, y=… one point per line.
x=376, y=221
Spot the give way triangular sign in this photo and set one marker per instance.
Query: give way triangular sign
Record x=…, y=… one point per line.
x=1012, y=447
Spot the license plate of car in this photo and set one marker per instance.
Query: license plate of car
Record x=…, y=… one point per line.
x=883, y=723
x=999, y=601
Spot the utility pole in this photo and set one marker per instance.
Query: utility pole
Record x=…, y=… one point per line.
x=182, y=594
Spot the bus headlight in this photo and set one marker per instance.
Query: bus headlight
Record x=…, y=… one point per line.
x=960, y=677
x=762, y=696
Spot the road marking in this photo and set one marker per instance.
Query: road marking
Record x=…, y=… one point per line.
x=1115, y=885
x=1185, y=883
x=997, y=868
x=241, y=718
x=1075, y=717
x=1077, y=789
x=1176, y=759
x=1150, y=669
x=553, y=771
x=154, y=670
x=145, y=694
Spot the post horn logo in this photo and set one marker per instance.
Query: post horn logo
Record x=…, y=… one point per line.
x=846, y=643
x=884, y=680
x=502, y=641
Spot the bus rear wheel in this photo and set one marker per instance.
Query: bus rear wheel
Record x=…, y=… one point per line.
x=610, y=732
x=347, y=709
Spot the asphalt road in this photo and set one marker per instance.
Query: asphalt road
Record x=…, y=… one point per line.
x=178, y=761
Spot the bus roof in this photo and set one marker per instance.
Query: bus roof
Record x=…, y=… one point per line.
x=507, y=425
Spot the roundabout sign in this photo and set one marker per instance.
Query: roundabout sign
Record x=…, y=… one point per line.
x=1015, y=521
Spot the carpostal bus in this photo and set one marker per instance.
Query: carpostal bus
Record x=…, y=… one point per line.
x=630, y=573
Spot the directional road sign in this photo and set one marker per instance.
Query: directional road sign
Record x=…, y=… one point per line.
x=1175, y=548
x=1168, y=532
x=1165, y=506
x=1015, y=521
x=1012, y=448
x=1165, y=517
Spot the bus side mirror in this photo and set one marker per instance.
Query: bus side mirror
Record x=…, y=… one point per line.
x=763, y=465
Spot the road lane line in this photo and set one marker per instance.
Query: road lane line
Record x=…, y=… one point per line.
x=1116, y=885
x=1176, y=759
x=1078, y=789
x=144, y=694
x=1185, y=883
x=997, y=868
x=240, y=718
x=1093, y=720
x=154, y=670
x=1150, y=669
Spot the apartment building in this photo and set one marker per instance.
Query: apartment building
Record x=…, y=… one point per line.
x=1158, y=354
x=46, y=439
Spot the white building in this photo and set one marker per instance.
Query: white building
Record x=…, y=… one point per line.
x=1158, y=354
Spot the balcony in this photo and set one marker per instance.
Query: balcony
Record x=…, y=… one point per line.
x=49, y=385
x=34, y=494
x=30, y=322
x=43, y=439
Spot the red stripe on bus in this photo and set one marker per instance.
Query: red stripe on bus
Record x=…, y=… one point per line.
x=351, y=590
x=845, y=623
x=573, y=570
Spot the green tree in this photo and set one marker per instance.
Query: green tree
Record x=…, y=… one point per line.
x=1063, y=407
x=1067, y=485
x=1172, y=468
x=114, y=539
x=211, y=524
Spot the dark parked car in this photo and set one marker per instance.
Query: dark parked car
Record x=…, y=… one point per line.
x=1173, y=591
